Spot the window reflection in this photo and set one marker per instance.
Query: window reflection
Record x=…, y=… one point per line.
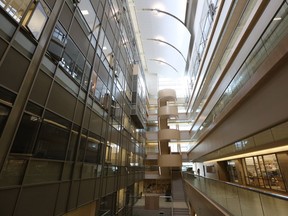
x=15, y=8
x=88, y=12
x=4, y=112
x=73, y=61
x=37, y=21
x=90, y=149
x=57, y=43
x=26, y=134
x=52, y=139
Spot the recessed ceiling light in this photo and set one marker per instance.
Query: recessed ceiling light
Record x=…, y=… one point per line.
x=104, y=48
x=277, y=18
x=84, y=12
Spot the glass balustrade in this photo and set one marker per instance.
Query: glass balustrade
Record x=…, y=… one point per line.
x=239, y=200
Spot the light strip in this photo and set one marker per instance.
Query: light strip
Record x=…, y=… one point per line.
x=250, y=154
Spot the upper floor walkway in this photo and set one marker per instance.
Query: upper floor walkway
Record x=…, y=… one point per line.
x=213, y=197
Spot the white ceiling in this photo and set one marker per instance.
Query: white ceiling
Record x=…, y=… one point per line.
x=163, y=40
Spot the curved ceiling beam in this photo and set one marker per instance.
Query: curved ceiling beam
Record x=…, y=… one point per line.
x=162, y=41
x=163, y=62
x=164, y=12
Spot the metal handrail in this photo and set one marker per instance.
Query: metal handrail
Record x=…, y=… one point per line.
x=245, y=187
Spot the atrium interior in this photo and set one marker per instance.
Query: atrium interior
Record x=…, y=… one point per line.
x=138, y=107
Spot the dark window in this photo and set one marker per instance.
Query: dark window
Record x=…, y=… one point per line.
x=4, y=112
x=93, y=150
x=72, y=146
x=53, y=138
x=83, y=142
x=26, y=134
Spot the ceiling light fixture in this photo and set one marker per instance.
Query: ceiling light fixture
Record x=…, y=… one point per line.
x=277, y=18
x=85, y=12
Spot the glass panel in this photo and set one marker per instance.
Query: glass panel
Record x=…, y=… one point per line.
x=43, y=171
x=232, y=171
x=238, y=201
x=251, y=176
x=82, y=147
x=4, y=112
x=12, y=173
x=72, y=146
x=273, y=172
x=67, y=171
x=57, y=43
x=73, y=61
x=6, y=28
x=89, y=171
x=37, y=21
x=88, y=13
x=249, y=202
x=263, y=172
x=93, y=150
x=258, y=171
x=52, y=141
x=15, y=8
x=271, y=206
x=26, y=134
x=86, y=76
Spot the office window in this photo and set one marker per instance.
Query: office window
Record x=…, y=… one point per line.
x=37, y=20
x=26, y=135
x=7, y=28
x=73, y=61
x=90, y=149
x=52, y=139
x=93, y=150
x=4, y=112
x=57, y=43
x=88, y=13
x=100, y=90
x=15, y=8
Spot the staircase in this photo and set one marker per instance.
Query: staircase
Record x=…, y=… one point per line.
x=180, y=207
x=180, y=212
x=177, y=187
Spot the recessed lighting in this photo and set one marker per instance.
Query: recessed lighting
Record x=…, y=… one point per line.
x=84, y=12
x=277, y=18
x=104, y=48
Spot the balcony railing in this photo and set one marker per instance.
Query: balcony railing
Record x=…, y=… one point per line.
x=238, y=199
